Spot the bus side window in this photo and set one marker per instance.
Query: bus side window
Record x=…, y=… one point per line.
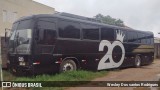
x=47, y=36
x=69, y=29
x=148, y=38
x=125, y=37
x=107, y=34
x=139, y=37
x=46, y=33
x=152, y=40
x=90, y=32
x=132, y=37
x=143, y=39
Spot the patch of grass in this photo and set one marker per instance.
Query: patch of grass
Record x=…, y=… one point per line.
x=66, y=76
x=7, y=76
x=79, y=75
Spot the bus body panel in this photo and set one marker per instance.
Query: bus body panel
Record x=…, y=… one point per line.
x=47, y=55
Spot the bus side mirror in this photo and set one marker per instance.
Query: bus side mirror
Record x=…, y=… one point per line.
x=6, y=33
x=5, y=36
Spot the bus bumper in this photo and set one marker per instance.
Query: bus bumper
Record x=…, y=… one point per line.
x=20, y=70
x=32, y=70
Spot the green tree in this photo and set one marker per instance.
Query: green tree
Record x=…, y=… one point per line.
x=109, y=20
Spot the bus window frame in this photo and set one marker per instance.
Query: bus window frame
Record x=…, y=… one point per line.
x=62, y=38
x=37, y=28
x=114, y=32
x=99, y=31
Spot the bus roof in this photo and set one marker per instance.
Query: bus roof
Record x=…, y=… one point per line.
x=77, y=18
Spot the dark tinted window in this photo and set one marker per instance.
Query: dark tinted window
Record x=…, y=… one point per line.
x=46, y=36
x=107, y=34
x=135, y=37
x=46, y=32
x=25, y=24
x=143, y=38
x=48, y=19
x=68, y=29
x=90, y=32
x=49, y=36
x=129, y=36
x=152, y=39
x=47, y=25
x=125, y=36
x=132, y=36
x=148, y=39
x=139, y=37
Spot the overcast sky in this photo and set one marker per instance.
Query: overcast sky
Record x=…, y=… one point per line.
x=137, y=14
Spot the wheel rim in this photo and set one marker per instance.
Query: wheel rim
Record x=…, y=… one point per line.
x=68, y=67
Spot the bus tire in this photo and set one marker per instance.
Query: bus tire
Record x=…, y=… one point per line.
x=137, y=61
x=68, y=65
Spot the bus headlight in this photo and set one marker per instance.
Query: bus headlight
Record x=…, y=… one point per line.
x=22, y=63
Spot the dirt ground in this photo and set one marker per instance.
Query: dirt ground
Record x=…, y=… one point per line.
x=145, y=73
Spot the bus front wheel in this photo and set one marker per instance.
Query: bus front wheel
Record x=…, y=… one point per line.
x=137, y=61
x=68, y=65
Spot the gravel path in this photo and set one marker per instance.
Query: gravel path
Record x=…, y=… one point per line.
x=145, y=73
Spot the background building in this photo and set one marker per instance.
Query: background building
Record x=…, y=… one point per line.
x=11, y=10
x=157, y=47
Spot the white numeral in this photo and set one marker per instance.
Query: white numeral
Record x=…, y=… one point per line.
x=108, y=55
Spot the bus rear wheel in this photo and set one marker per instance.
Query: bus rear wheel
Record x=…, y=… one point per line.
x=137, y=61
x=68, y=65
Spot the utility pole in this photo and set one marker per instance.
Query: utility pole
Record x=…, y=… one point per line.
x=1, y=72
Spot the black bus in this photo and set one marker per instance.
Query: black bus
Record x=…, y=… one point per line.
x=64, y=42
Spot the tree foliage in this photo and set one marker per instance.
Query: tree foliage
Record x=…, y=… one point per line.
x=109, y=20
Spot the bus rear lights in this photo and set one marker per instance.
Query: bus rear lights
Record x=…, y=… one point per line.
x=36, y=63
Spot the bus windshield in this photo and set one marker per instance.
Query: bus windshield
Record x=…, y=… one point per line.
x=20, y=39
